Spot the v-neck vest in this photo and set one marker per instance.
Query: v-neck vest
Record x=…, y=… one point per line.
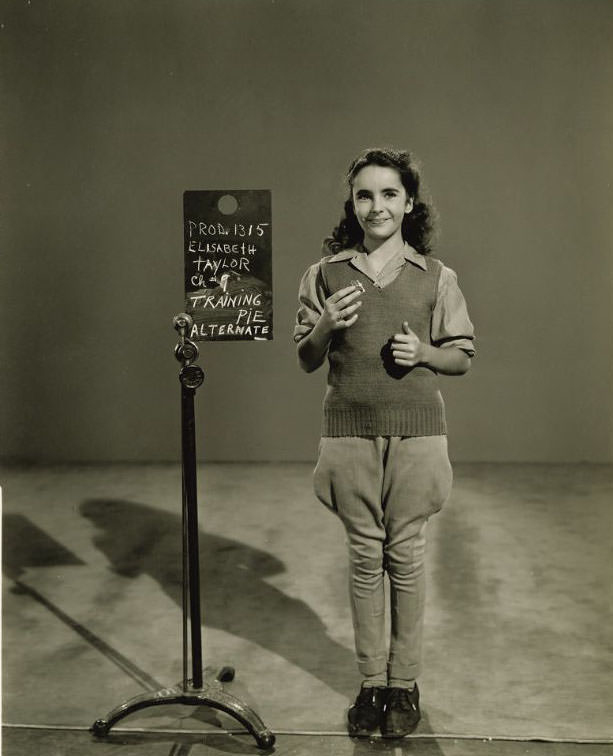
x=368, y=394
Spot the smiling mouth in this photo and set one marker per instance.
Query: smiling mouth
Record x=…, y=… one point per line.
x=377, y=221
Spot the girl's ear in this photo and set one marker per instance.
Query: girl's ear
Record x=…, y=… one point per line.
x=409, y=206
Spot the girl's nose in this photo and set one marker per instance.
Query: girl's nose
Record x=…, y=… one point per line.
x=376, y=204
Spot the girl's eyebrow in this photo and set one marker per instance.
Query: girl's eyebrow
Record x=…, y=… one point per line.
x=387, y=189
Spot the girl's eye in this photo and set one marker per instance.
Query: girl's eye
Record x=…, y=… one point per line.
x=391, y=195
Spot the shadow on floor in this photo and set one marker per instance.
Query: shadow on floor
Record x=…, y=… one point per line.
x=26, y=545
x=235, y=597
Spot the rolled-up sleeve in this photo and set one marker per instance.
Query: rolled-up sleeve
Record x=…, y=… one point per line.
x=451, y=325
x=311, y=298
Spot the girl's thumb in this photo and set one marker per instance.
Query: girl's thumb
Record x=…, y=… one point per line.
x=405, y=327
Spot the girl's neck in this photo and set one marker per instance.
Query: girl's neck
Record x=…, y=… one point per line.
x=380, y=253
x=383, y=250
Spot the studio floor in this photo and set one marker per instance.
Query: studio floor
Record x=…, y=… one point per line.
x=518, y=654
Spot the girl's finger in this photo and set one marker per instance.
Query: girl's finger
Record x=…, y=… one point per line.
x=351, y=320
x=338, y=295
x=411, y=344
x=348, y=298
x=405, y=363
x=348, y=310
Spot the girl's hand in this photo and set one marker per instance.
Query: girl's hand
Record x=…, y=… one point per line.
x=340, y=309
x=407, y=349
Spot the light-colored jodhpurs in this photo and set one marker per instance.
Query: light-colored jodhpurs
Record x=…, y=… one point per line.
x=384, y=489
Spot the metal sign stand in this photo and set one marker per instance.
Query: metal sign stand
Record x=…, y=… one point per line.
x=194, y=691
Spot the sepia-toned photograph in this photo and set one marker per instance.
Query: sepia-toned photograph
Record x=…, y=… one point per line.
x=306, y=420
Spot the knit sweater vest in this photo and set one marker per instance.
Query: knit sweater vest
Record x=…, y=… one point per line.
x=368, y=394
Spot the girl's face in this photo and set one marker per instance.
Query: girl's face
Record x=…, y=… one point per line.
x=380, y=203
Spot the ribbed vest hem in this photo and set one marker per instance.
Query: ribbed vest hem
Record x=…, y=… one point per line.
x=426, y=420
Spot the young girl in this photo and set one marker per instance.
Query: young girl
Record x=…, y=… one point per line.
x=389, y=318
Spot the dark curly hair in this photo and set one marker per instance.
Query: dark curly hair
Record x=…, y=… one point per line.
x=417, y=226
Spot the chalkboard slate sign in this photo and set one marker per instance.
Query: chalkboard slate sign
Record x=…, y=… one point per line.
x=228, y=264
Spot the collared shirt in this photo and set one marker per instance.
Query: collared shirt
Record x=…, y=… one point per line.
x=450, y=326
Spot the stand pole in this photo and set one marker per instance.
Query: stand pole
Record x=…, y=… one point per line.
x=194, y=692
x=191, y=507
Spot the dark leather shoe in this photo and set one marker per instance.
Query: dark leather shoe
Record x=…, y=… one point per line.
x=401, y=713
x=365, y=715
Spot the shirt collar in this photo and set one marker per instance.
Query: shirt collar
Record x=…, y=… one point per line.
x=408, y=253
x=413, y=256
x=344, y=254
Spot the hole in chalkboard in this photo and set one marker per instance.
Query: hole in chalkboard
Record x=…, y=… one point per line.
x=227, y=204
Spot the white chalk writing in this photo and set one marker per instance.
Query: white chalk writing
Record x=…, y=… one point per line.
x=216, y=248
x=228, y=286
x=215, y=301
x=195, y=228
x=204, y=330
x=210, y=268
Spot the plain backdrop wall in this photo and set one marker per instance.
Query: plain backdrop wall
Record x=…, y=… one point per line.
x=112, y=109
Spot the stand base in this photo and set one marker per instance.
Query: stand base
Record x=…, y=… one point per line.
x=211, y=694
